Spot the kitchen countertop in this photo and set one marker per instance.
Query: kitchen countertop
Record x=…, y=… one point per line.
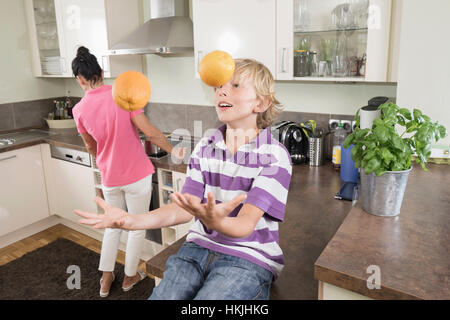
x=69, y=138
x=329, y=240
x=411, y=250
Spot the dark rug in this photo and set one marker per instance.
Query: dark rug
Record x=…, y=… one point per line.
x=43, y=275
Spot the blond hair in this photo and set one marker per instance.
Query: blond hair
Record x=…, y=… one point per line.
x=264, y=84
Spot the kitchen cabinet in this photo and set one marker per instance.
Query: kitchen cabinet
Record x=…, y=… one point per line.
x=168, y=183
x=58, y=27
x=333, y=40
x=70, y=186
x=23, y=195
x=244, y=29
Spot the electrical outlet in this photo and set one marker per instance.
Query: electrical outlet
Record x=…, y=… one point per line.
x=347, y=125
x=333, y=124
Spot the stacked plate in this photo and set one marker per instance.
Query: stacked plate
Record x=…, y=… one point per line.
x=51, y=65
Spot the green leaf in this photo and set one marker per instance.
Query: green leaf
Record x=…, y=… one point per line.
x=418, y=116
x=372, y=165
x=405, y=113
x=349, y=140
x=382, y=133
x=386, y=155
x=411, y=126
x=442, y=131
x=398, y=144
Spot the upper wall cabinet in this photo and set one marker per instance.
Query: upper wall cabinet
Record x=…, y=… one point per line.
x=58, y=27
x=302, y=40
x=333, y=40
x=244, y=29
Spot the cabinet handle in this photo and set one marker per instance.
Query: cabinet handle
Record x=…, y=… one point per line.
x=199, y=58
x=283, y=60
x=63, y=64
x=105, y=63
x=7, y=158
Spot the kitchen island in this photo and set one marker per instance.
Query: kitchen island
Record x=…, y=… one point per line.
x=409, y=253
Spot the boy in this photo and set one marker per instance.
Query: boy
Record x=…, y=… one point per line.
x=236, y=188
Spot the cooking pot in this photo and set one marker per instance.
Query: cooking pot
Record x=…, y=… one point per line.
x=150, y=148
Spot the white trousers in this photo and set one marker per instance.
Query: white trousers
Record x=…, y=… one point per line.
x=134, y=198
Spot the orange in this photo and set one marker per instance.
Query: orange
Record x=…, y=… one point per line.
x=216, y=68
x=131, y=90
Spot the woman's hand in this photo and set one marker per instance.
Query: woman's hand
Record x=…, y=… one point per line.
x=112, y=218
x=210, y=213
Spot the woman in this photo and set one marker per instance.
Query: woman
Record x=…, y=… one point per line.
x=110, y=135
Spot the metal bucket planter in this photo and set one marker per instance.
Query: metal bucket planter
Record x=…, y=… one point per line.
x=383, y=195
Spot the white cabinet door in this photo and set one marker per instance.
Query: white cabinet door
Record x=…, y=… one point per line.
x=95, y=24
x=178, y=181
x=244, y=29
x=285, y=40
x=23, y=196
x=83, y=23
x=73, y=187
x=373, y=39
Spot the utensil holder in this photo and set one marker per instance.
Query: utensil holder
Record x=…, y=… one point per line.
x=315, y=152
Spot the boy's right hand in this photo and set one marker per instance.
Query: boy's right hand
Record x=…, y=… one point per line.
x=112, y=218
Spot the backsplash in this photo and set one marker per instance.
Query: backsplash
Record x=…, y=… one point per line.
x=181, y=119
x=170, y=118
x=27, y=114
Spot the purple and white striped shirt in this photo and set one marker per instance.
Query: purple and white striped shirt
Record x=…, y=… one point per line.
x=261, y=169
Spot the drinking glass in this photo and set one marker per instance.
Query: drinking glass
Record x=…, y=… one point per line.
x=301, y=15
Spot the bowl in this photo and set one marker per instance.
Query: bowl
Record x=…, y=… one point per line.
x=61, y=124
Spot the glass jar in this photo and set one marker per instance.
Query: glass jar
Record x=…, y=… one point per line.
x=301, y=63
x=313, y=64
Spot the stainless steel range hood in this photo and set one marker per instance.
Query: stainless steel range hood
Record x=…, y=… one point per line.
x=169, y=31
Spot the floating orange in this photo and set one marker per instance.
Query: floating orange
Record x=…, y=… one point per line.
x=131, y=90
x=216, y=68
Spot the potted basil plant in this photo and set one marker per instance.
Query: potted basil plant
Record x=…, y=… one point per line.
x=385, y=157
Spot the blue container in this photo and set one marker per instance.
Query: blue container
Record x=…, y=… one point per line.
x=348, y=171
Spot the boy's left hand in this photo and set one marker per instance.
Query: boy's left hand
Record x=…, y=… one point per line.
x=210, y=213
x=179, y=153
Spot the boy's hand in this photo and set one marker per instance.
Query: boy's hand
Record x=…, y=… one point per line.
x=210, y=213
x=112, y=218
x=179, y=152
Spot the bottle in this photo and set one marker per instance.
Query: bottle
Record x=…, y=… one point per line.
x=338, y=139
x=56, y=109
x=69, y=106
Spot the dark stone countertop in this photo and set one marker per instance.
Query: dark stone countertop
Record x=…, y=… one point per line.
x=69, y=138
x=411, y=250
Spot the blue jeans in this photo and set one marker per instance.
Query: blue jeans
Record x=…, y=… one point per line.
x=197, y=273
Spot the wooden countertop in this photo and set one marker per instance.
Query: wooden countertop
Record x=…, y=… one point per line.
x=411, y=250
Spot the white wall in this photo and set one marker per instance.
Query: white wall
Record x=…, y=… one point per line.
x=17, y=82
x=424, y=62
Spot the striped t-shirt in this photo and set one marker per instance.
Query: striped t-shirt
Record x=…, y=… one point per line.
x=261, y=169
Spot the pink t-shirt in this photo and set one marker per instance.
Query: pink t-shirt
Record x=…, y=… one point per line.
x=121, y=157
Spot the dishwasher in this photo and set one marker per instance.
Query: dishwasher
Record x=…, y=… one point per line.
x=154, y=234
x=71, y=155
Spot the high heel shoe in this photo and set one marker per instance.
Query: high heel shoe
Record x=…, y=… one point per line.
x=142, y=275
x=105, y=294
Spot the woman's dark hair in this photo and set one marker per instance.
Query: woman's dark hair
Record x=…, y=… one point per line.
x=85, y=64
